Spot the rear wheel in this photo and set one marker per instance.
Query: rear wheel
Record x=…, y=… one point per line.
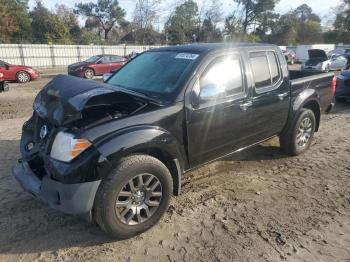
x=23, y=77
x=89, y=73
x=298, y=138
x=134, y=197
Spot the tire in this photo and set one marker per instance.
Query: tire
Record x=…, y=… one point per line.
x=291, y=140
x=116, y=189
x=6, y=87
x=89, y=73
x=23, y=77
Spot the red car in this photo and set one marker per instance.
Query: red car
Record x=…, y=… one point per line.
x=97, y=66
x=3, y=85
x=19, y=73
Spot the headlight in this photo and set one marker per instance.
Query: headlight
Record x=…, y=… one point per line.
x=65, y=147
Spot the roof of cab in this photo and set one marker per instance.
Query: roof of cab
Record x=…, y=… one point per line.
x=206, y=48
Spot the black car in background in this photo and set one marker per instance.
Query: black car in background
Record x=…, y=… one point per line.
x=342, y=91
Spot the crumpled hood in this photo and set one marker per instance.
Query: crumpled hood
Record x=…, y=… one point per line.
x=64, y=98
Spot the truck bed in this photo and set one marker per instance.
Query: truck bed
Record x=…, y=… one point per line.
x=320, y=81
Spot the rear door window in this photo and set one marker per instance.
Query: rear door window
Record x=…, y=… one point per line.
x=116, y=59
x=266, y=70
x=274, y=67
x=105, y=60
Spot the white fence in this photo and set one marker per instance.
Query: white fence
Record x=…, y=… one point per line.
x=60, y=55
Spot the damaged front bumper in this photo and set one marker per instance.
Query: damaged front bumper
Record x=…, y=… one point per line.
x=75, y=199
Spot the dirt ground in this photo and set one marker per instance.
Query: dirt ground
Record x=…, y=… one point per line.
x=259, y=205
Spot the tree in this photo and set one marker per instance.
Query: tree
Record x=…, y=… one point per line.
x=14, y=21
x=341, y=31
x=299, y=26
x=145, y=15
x=308, y=25
x=183, y=26
x=47, y=27
x=252, y=10
x=233, y=26
x=70, y=20
x=209, y=31
x=108, y=13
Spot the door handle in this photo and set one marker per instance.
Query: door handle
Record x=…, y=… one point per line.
x=246, y=105
x=282, y=96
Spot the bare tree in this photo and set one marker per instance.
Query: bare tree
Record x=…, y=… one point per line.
x=145, y=16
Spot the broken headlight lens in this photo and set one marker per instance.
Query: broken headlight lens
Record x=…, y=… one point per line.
x=65, y=147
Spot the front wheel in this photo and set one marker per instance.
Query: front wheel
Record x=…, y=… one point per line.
x=298, y=138
x=134, y=197
x=23, y=77
x=89, y=73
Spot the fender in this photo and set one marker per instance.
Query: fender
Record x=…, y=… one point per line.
x=151, y=140
x=302, y=99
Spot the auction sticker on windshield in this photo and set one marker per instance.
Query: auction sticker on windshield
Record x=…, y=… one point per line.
x=186, y=56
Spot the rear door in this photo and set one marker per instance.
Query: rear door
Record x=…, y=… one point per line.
x=270, y=96
x=116, y=62
x=218, y=126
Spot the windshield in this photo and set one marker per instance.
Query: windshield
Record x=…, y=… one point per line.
x=155, y=74
x=92, y=59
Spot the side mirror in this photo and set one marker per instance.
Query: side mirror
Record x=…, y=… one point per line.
x=7, y=67
x=211, y=92
x=99, y=62
x=106, y=76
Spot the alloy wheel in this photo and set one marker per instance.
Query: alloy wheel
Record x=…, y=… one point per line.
x=304, y=132
x=23, y=77
x=139, y=199
x=89, y=74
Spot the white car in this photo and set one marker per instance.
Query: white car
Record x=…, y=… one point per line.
x=318, y=60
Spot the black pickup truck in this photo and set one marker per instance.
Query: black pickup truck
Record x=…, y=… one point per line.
x=115, y=152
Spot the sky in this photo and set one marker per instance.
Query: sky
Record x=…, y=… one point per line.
x=321, y=7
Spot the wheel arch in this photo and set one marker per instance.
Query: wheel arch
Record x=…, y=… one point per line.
x=314, y=106
x=309, y=99
x=151, y=141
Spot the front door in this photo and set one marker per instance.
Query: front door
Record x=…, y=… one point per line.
x=271, y=95
x=338, y=62
x=217, y=124
x=102, y=66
